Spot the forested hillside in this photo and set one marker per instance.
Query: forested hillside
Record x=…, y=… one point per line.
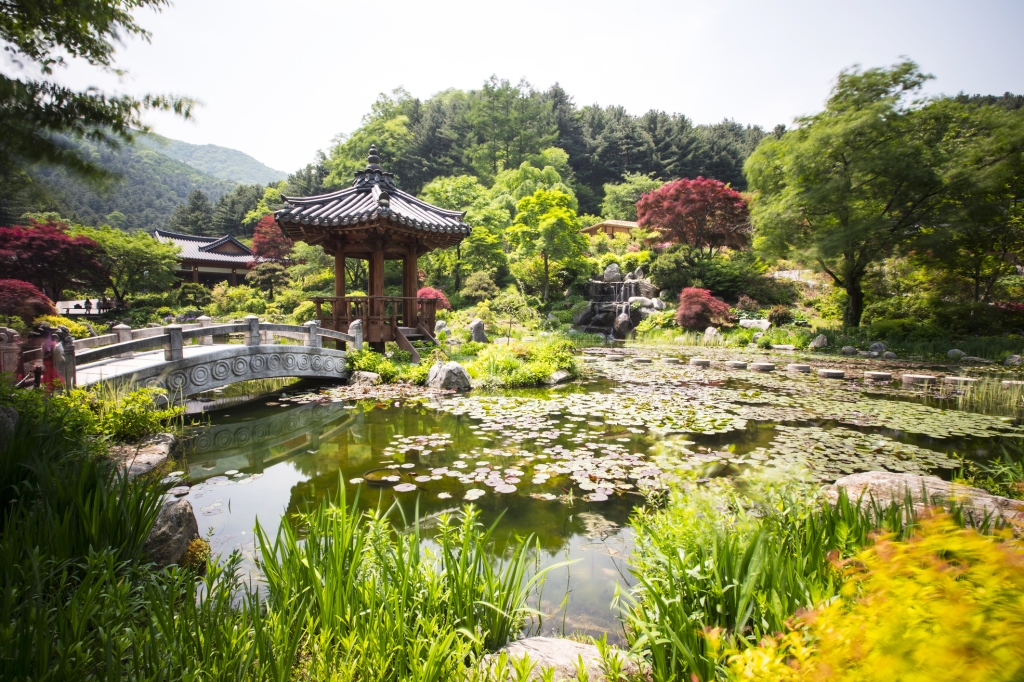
x=503, y=124
x=219, y=162
x=147, y=188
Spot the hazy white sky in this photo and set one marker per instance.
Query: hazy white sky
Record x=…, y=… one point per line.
x=278, y=80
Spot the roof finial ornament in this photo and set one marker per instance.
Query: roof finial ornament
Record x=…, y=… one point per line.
x=373, y=161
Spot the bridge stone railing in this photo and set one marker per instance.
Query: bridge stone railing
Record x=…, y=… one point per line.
x=256, y=358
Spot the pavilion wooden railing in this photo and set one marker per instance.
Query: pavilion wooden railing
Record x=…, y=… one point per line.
x=381, y=315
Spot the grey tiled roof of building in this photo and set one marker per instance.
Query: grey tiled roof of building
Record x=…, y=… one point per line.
x=203, y=248
x=373, y=194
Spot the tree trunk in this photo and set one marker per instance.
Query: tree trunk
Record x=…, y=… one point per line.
x=546, y=279
x=854, y=302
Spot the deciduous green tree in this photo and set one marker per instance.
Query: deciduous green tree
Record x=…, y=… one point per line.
x=546, y=225
x=135, y=262
x=620, y=199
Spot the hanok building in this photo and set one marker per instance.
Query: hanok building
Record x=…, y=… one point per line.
x=375, y=221
x=209, y=260
x=610, y=228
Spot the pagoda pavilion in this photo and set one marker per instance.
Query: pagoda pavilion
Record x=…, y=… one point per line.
x=375, y=221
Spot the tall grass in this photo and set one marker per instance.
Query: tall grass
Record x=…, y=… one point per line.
x=346, y=596
x=744, y=565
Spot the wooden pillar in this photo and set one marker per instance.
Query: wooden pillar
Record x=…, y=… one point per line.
x=375, y=332
x=339, y=271
x=339, y=311
x=195, y=274
x=410, y=274
x=234, y=277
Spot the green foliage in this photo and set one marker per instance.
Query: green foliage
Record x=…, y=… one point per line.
x=737, y=274
x=76, y=329
x=521, y=365
x=229, y=300
x=268, y=277
x=546, y=225
x=134, y=261
x=663, y=319
x=780, y=315
x=479, y=286
x=620, y=199
x=195, y=216
x=366, y=360
x=194, y=295
x=120, y=415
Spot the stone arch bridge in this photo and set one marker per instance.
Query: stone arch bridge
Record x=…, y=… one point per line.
x=201, y=357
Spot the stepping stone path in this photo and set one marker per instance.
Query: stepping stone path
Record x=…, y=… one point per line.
x=959, y=381
x=700, y=362
x=735, y=364
x=877, y=376
x=797, y=367
x=917, y=379
x=763, y=367
x=641, y=361
x=1011, y=384
x=615, y=358
x=783, y=346
x=179, y=491
x=671, y=361
x=831, y=374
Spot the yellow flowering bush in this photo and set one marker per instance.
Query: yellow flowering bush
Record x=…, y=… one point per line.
x=947, y=604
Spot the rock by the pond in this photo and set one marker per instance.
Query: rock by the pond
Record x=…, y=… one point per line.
x=820, y=341
x=449, y=375
x=878, y=347
x=361, y=378
x=175, y=527
x=889, y=355
x=476, y=331
x=831, y=374
x=710, y=333
x=756, y=324
x=956, y=354
x=145, y=456
x=886, y=487
x=783, y=346
x=658, y=304
x=563, y=655
x=849, y=350
x=638, y=273
x=980, y=361
x=622, y=326
x=757, y=337
x=1012, y=361
x=8, y=422
x=642, y=300
x=440, y=326
x=612, y=273
x=867, y=353
x=559, y=376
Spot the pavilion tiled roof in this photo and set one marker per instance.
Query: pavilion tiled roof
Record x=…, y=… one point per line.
x=204, y=248
x=372, y=195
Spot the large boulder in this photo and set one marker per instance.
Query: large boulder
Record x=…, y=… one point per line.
x=175, y=527
x=563, y=655
x=476, y=331
x=559, y=376
x=144, y=456
x=820, y=341
x=885, y=487
x=658, y=304
x=889, y=355
x=878, y=347
x=584, y=316
x=642, y=300
x=448, y=376
x=849, y=350
x=756, y=324
x=622, y=326
x=361, y=378
x=612, y=273
x=956, y=354
x=604, y=315
x=1012, y=361
x=440, y=326
x=710, y=333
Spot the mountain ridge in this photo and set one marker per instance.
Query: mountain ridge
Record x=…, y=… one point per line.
x=223, y=163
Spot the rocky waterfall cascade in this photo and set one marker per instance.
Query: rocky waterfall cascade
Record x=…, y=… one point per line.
x=610, y=300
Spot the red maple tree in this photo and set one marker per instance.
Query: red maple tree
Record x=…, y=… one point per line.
x=21, y=299
x=431, y=292
x=45, y=255
x=269, y=242
x=698, y=308
x=706, y=214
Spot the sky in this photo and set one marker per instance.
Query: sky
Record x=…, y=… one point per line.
x=279, y=80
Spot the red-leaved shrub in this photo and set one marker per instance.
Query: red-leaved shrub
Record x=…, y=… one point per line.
x=430, y=292
x=21, y=299
x=698, y=308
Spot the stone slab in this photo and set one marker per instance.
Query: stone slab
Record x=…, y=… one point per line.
x=959, y=381
x=671, y=361
x=700, y=362
x=735, y=364
x=145, y=456
x=1011, y=383
x=917, y=379
x=831, y=374
x=763, y=367
x=878, y=376
x=615, y=358
x=797, y=367
x=562, y=655
x=641, y=361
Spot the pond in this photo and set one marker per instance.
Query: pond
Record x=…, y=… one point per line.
x=567, y=465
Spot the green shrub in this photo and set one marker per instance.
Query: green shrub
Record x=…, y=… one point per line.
x=663, y=319
x=367, y=360
x=780, y=315
x=14, y=322
x=114, y=413
x=471, y=348
x=523, y=365
x=76, y=329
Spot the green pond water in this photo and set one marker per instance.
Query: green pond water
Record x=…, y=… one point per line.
x=567, y=465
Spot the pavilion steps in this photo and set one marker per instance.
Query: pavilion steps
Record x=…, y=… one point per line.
x=406, y=335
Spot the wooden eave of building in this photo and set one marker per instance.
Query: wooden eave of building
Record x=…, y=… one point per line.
x=610, y=227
